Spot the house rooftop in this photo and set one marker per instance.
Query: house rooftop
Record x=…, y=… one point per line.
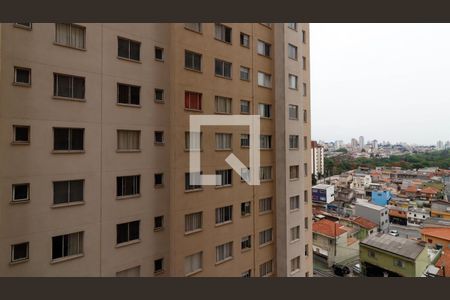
x=322, y=186
x=369, y=205
x=396, y=245
x=328, y=228
x=364, y=223
x=437, y=232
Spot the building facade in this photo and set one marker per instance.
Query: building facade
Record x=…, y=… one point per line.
x=317, y=159
x=95, y=143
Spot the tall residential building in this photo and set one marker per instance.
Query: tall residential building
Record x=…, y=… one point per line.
x=361, y=142
x=354, y=144
x=440, y=145
x=95, y=143
x=317, y=159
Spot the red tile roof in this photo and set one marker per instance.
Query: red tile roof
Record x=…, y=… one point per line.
x=397, y=213
x=429, y=190
x=411, y=189
x=328, y=228
x=444, y=260
x=437, y=232
x=364, y=223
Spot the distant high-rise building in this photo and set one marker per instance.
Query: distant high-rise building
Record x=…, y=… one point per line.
x=361, y=142
x=354, y=144
x=339, y=144
x=317, y=159
x=440, y=145
x=375, y=144
x=447, y=145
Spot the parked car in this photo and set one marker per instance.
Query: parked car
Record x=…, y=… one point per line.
x=340, y=270
x=394, y=232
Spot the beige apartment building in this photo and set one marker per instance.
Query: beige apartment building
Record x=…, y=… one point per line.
x=95, y=143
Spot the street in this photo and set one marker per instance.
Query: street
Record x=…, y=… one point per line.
x=406, y=232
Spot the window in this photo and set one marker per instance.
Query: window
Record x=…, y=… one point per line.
x=192, y=181
x=127, y=232
x=305, y=116
x=128, y=49
x=245, y=140
x=223, y=105
x=20, y=252
x=246, y=242
x=245, y=40
x=306, y=250
x=305, y=142
x=245, y=107
x=193, y=222
x=159, y=54
x=68, y=139
x=22, y=76
x=292, y=26
x=223, y=33
x=304, y=36
x=223, y=68
x=265, y=141
x=127, y=186
x=293, y=81
x=293, y=112
x=265, y=236
x=192, y=100
x=131, y=272
x=224, y=178
x=294, y=202
x=224, y=252
x=293, y=141
x=67, y=245
x=305, y=165
x=158, y=223
x=159, y=95
x=128, y=140
x=192, y=140
x=246, y=208
x=265, y=205
x=197, y=27
x=128, y=94
x=20, y=192
x=159, y=137
x=304, y=63
x=264, y=79
x=247, y=273
x=371, y=253
x=21, y=134
x=68, y=86
x=193, y=263
x=293, y=172
x=304, y=89
x=265, y=110
x=265, y=269
x=192, y=60
x=24, y=25
x=71, y=35
x=68, y=191
x=265, y=173
x=224, y=214
x=159, y=179
x=263, y=48
x=223, y=141
x=158, y=265
x=295, y=264
x=245, y=73
x=399, y=263
x=306, y=222
x=292, y=52
x=295, y=233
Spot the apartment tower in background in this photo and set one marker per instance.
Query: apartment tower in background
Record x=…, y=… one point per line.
x=95, y=141
x=317, y=159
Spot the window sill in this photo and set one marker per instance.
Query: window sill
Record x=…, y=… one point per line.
x=158, y=229
x=244, y=46
x=68, y=46
x=193, y=273
x=225, y=42
x=265, y=118
x=69, y=98
x=158, y=186
x=193, y=110
x=128, y=105
x=294, y=210
x=265, y=213
x=244, y=113
x=294, y=179
x=293, y=89
x=23, y=27
x=245, y=80
x=22, y=84
x=265, y=149
x=159, y=59
x=223, y=150
x=193, y=231
x=67, y=204
x=63, y=259
x=159, y=101
x=265, y=180
x=223, y=77
x=19, y=261
x=223, y=261
x=266, y=56
x=193, y=190
x=193, y=150
x=245, y=147
x=265, y=87
x=128, y=197
x=293, y=149
x=129, y=59
x=246, y=215
x=294, y=241
x=159, y=272
x=68, y=151
x=128, y=243
x=245, y=250
x=199, y=32
x=159, y=143
x=223, y=186
x=193, y=70
x=295, y=271
x=20, y=143
x=21, y=201
x=223, y=224
x=128, y=151
x=222, y=113
x=266, y=244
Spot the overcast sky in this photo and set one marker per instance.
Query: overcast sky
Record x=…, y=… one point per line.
x=382, y=81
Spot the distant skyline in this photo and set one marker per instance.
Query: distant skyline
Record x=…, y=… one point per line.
x=389, y=82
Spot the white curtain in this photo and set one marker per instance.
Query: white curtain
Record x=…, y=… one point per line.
x=223, y=141
x=128, y=139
